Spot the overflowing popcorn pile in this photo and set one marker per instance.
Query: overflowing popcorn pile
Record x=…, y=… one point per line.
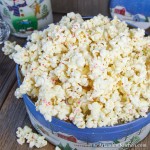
x=26, y=134
x=93, y=73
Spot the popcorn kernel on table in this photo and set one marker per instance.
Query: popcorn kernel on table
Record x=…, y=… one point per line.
x=26, y=135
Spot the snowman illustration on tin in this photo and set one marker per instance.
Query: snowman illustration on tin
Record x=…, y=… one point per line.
x=16, y=7
x=22, y=15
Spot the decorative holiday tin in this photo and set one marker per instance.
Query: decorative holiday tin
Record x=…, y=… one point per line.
x=135, y=12
x=68, y=137
x=24, y=16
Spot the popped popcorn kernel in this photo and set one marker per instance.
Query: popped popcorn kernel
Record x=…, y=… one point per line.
x=26, y=135
x=57, y=148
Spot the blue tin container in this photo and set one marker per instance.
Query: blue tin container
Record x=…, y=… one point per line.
x=135, y=12
x=68, y=136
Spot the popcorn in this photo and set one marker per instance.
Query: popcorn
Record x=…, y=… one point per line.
x=62, y=111
x=93, y=73
x=57, y=148
x=92, y=120
x=8, y=49
x=21, y=140
x=26, y=135
x=77, y=118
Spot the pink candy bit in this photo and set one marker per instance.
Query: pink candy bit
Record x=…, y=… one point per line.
x=47, y=103
x=130, y=111
x=76, y=110
x=62, y=63
x=53, y=80
x=95, y=65
x=44, y=101
x=143, y=110
x=66, y=118
x=73, y=35
x=71, y=118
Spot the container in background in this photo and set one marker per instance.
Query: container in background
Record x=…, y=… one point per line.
x=4, y=31
x=25, y=16
x=136, y=12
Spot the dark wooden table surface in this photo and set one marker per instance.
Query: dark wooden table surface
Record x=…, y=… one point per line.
x=12, y=111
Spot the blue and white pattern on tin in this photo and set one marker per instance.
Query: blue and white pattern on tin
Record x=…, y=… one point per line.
x=136, y=12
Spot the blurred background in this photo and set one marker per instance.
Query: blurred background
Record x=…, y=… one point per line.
x=84, y=7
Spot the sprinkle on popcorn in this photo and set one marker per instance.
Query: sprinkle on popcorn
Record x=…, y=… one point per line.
x=93, y=73
x=26, y=135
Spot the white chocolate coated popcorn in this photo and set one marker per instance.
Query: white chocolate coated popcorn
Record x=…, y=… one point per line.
x=26, y=135
x=57, y=148
x=93, y=73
